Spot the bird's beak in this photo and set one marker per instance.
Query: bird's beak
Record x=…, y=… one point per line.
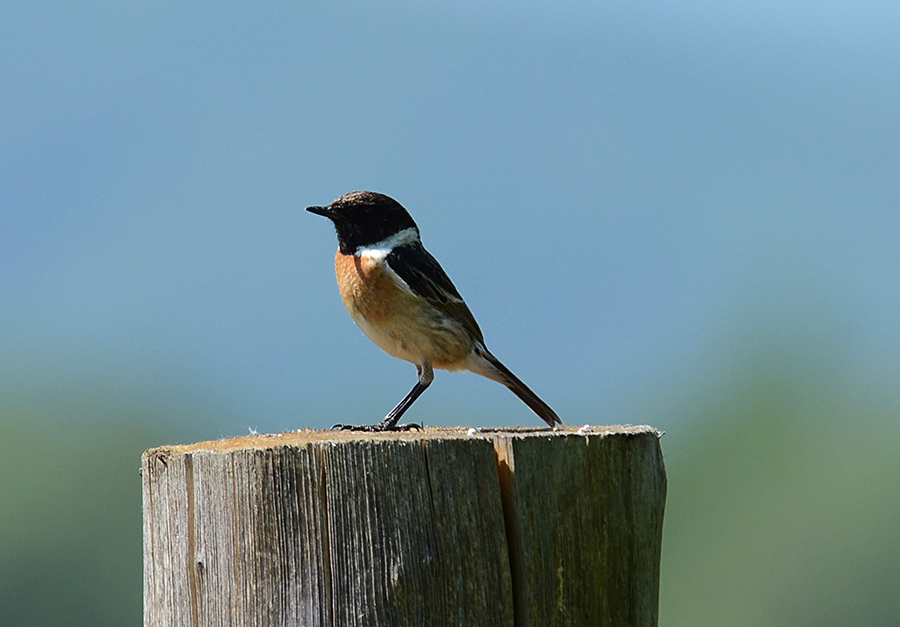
x=322, y=211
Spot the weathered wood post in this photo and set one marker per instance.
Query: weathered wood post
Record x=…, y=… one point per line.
x=433, y=527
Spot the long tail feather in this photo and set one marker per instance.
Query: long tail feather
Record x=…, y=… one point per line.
x=492, y=368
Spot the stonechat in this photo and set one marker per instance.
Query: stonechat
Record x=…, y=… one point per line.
x=403, y=300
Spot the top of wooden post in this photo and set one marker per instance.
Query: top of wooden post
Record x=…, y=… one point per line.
x=305, y=436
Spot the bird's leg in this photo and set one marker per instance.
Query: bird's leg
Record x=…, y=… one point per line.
x=426, y=376
x=389, y=423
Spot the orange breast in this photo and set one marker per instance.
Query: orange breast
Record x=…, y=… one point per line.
x=402, y=324
x=366, y=290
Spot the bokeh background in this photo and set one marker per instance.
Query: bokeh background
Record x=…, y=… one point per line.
x=682, y=214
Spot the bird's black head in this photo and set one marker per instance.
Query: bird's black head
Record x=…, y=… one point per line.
x=365, y=218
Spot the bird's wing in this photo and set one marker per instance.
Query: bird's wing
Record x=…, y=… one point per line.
x=425, y=277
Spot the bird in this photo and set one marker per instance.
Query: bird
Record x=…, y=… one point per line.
x=402, y=299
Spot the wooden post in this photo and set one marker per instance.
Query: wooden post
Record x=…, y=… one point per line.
x=434, y=527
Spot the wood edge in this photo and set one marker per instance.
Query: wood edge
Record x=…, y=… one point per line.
x=305, y=437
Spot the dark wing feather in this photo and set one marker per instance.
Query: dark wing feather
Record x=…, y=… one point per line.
x=425, y=277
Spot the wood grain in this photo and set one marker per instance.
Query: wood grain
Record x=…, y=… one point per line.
x=434, y=527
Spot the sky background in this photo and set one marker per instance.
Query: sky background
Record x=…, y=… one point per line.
x=640, y=203
x=619, y=192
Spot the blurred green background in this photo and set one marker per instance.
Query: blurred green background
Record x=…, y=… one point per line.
x=682, y=215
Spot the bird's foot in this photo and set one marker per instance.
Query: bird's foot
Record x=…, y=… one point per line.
x=377, y=428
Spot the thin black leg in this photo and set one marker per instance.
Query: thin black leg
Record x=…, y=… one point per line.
x=389, y=422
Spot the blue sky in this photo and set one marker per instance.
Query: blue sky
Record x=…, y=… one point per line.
x=628, y=197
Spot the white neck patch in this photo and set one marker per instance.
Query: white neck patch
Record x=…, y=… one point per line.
x=382, y=249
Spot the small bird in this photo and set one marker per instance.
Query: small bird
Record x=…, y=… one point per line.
x=403, y=300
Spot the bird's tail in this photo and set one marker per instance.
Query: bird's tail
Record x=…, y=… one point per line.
x=484, y=363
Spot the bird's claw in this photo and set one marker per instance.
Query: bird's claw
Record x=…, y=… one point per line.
x=377, y=428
